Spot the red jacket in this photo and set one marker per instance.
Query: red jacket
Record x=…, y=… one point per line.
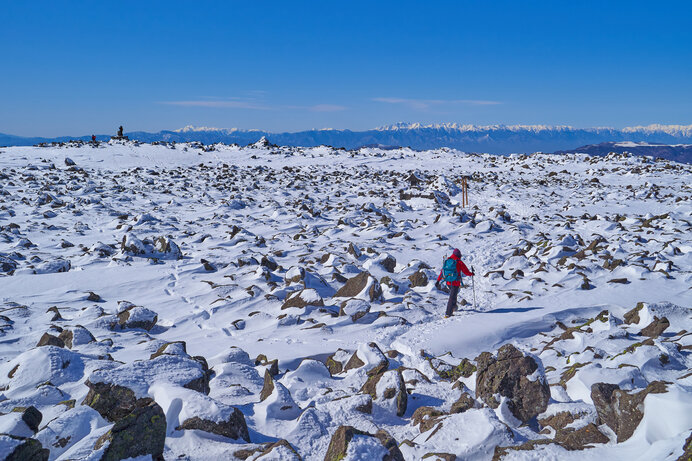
x=461, y=269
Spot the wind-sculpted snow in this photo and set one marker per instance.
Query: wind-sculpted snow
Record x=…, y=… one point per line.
x=279, y=302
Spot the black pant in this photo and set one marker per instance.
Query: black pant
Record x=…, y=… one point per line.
x=452, y=302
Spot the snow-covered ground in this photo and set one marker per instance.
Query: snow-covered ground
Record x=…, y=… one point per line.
x=118, y=252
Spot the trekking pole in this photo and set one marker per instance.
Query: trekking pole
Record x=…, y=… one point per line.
x=473, y=284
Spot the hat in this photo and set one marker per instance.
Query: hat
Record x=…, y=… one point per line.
x=456, y=252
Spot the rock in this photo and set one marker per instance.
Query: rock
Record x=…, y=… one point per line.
x=338, y=445
x=76, y=336
x=426, y=418
x=50, y=340
x=655, y=328
x=353, y=250
x=32, y=417
x=452, y=373
x=374, y=361
x=268, y=387
x=418, y=279
x=633, y=315
x=440, y=456
x=354, y=308
x=209, y=267
x=579, y=439
x=621, y=411
x=388, y=262
x=294, y=274
x=269, y=263
x=306, y=297
x=7, y=264
x=113, y=402
x=362, y=286
x=27, y=450
x=140, y=433
x=178, y=348
x=94, y=297
x=233, y=428
x=388, y=389
x=508, y=375
x=464, y=403
x=334, y=362
x=281, y=449
x=137, y=317
x=687, y=450
x=168, y=248
x=69, y=162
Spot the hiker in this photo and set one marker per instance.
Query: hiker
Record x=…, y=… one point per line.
x=452, y=269
x=93, y=138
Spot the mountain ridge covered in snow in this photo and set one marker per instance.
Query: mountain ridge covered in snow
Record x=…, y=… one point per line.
x=496, y=139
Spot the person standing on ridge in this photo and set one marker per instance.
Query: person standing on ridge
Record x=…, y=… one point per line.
x=452, y=269
x=93, y=138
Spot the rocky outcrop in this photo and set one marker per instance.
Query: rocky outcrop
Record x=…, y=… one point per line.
x=620, y=410
x=510, y=376
x=338, y=445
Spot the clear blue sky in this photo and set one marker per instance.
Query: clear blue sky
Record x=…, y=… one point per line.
x=72, y=68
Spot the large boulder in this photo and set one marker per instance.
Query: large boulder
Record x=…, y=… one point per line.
x=379, y=446
x=140, y=433
x=510, y=375
x=620, y=410
x=363, y=286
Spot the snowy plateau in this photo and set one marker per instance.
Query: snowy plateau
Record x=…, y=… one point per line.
x=202, y=302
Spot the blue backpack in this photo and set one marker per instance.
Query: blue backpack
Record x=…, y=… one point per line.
x=449, y=271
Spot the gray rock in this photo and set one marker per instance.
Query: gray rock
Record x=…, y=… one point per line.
x=620, y=410
x=357, y=284
x=50, y=340
x=233, y=428
x=655, y=328
x=507, y=375
x=29, y=450
x=338, y=445
x=141, y=432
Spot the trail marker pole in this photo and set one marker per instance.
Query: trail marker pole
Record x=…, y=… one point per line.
x=464, y=192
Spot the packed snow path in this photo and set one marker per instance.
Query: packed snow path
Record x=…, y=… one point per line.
x=249, y=249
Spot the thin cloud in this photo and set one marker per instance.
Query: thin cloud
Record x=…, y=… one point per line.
x=425, y=104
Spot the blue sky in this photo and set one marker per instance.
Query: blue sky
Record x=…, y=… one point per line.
x=72, y=68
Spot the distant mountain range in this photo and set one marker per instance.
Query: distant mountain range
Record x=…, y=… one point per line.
x=499, y=139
